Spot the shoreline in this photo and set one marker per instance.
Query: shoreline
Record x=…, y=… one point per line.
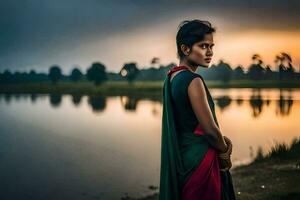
x=136, y=88
x=274, y=176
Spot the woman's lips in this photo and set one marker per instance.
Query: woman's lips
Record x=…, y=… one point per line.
x=208, y=59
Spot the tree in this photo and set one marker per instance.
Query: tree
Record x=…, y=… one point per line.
x=278, y=63
x=76, y=75
x=154, y=61
x=7, y=76
x=54, y=73
x=31, y=75
x=256, y=70
x=129, y=71
x=32, y=72
x=287, y=62
x=268, y=72
x=97, y=73
x=285, y=67
x=238, y=72
x=224, y=71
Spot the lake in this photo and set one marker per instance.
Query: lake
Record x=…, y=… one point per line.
x=107, y=147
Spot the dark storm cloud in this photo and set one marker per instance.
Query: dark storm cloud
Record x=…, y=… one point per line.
x=43, y=27
x=35, y=32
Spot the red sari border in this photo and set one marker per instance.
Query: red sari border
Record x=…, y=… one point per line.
x=205, y=182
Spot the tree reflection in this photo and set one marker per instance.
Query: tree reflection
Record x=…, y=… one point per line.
x=76, y=99
x=284, y=105
x=17, y=96
x=97, y=103
x=55, y=100
x=7, y=98
x=223, y=102
x=239, y=101
x=33, y=97
x=129, y=102
x=256, y=103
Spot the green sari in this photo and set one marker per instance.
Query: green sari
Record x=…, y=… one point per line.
x=183, y=153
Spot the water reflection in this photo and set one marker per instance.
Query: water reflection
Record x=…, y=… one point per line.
x=223, y=102
x=55, y=100
x=284, y=104
x=239, y=101
x=129, y=102
x=257, y=101
x=94, y=154
x=76, y=99
x=97, y=103
x=33, y=98
x=7, y=98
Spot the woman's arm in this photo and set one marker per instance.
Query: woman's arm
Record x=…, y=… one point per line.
x=197, y=96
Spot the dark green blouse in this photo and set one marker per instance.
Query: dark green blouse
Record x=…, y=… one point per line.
x=186, y=119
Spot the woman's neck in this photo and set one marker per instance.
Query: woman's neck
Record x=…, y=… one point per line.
x=191, y=67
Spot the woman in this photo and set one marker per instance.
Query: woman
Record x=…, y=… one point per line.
x=192, y=145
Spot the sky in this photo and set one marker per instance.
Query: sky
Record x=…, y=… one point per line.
x=36, y=34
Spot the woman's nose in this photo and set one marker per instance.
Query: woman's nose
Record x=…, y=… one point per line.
x=209, y=52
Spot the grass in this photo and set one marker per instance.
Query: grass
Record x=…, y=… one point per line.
x=110, y=87
x=138, y=87
x=281, y=151
x=274, y=176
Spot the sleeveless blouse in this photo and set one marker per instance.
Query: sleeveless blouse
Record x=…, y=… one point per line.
x=186, y=119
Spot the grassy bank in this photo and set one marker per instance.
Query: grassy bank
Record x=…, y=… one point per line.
x=124, y=88
x=273, y=176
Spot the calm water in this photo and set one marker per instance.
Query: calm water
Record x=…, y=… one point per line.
x=82, y=147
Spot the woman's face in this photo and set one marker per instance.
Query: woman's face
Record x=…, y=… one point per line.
x=201, y=52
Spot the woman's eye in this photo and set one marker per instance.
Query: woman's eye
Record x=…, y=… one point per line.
x=203, y=46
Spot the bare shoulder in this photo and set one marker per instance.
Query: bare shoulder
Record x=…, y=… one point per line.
x=196, y=86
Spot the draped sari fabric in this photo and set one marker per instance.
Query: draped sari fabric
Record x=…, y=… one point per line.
x=189, y=165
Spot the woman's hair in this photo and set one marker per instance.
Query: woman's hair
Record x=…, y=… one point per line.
x=190, y=32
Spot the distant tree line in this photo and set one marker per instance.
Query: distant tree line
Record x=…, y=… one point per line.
x=97, y=73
